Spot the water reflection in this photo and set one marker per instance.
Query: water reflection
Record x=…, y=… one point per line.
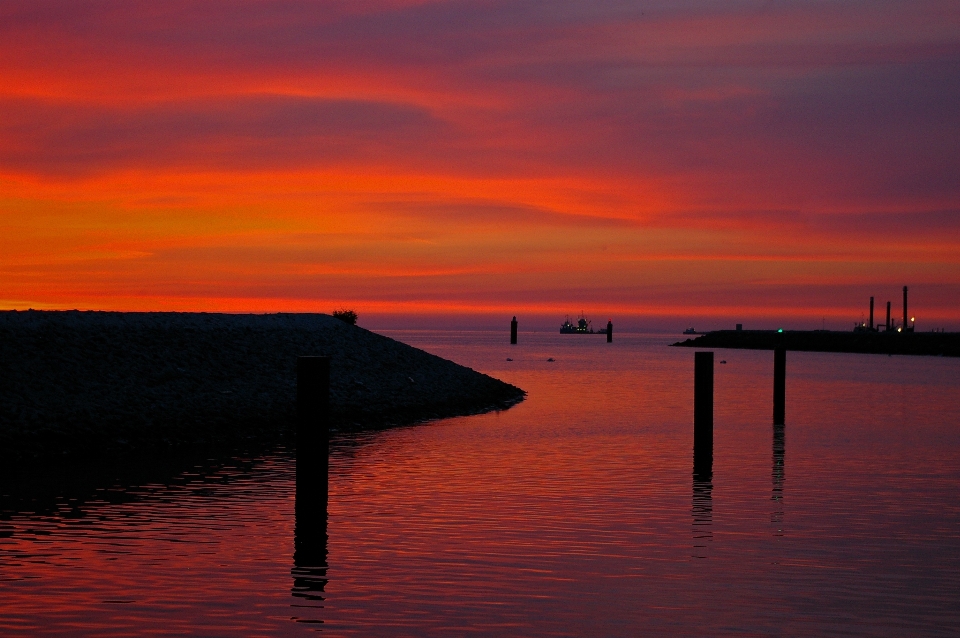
x=310, y=551
x=515, y=524
x=702, y=500
x=310, y=530
x=47, y=486
x=779, y=448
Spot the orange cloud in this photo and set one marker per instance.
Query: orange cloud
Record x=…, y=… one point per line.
x=478, y=157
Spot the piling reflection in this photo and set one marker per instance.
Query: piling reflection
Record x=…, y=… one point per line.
x=777, y=473
x=310, y=531
x=702, y=500
x=310, y=555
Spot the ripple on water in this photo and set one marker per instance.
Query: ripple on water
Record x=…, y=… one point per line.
x=575, y=513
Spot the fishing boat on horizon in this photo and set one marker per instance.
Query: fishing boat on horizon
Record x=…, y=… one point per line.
x=582, y=327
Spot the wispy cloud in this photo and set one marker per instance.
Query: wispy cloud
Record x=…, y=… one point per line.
x=464, y=147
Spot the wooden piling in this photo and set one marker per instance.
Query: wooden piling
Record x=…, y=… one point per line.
x=610, y=331
x=313, y=447
x=513, y=332
x=313, y=435
x=313, y=399
x=779, y=385
x=703, y=409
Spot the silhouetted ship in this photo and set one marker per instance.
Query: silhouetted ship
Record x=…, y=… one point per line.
x=690, y=331
x=582, y=327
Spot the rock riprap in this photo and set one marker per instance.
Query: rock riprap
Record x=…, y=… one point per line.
x=76, y=382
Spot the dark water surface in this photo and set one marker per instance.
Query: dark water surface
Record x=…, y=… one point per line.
x=576, y=513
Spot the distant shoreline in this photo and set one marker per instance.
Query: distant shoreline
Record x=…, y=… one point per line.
x=944, y=344
x=82, y=384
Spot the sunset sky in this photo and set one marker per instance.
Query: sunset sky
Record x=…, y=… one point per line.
x=766, y=162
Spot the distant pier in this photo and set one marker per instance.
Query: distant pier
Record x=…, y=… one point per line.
x=944, y=344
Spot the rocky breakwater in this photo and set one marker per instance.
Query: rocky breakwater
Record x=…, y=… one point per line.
x=94, y=383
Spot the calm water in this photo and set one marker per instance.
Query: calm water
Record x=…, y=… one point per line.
x=575, y=513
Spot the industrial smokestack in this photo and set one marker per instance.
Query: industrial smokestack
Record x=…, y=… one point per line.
x=871, y=314
x=888, y=317
x=905, y=315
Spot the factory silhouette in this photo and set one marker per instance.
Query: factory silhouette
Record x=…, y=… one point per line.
x=906, y=326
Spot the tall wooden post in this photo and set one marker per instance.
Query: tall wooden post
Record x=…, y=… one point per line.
x=513, y=331
x=779, y=384
x=309, y=569
x=610, y=331
x=703, y=411
x=313, y=434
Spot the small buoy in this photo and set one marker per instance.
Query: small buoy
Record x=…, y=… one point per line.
x=724, y=361
x=550, y=359
x=509, y=359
